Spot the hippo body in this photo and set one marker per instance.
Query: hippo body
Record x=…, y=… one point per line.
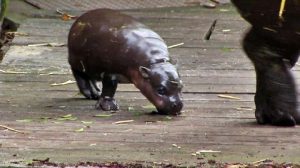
x=273, y=45
x=108, y=46
x=264, y=17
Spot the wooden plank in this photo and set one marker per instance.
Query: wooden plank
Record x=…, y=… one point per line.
x=165, y=139
x=60, y=27
x=199, y=58
x=38, y=27
x=188, y=79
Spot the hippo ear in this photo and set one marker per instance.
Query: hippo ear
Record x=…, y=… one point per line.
x=145, y=72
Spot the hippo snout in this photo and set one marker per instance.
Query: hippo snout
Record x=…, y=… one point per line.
x=174, y=108
x=177, y=106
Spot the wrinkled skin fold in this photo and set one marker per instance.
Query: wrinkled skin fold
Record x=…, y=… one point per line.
x=273, y=45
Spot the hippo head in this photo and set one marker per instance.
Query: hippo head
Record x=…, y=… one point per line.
x=161, y=84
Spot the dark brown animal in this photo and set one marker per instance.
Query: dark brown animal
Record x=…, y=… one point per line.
x=273, y=45
x=105, y=45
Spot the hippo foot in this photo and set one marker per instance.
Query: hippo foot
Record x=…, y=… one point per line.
x=107, y=104
x=276, y=117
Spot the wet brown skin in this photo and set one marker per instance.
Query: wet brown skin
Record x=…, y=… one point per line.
x=273, y=45
x=108, y=46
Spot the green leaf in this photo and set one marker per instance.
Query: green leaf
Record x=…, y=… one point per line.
x=225, y=49
x=66, y=116
x=67, y=119
x=150, y=106
x=102, y=115
x=87, y=122
x=28, y=162
x=135, y=112
x=25, y=120
x=169, y=118
x=130, y=108
x=79, y=130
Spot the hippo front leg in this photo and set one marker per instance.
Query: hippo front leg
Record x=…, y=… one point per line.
x=106, y=101
x=276, y=96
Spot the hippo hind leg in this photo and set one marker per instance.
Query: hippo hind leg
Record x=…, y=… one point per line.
x=106, y=101
x=86, y=86
x=276, y=96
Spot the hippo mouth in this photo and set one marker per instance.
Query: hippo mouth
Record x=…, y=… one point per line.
x=173, y=109
x=170, y=111
x=164, y=112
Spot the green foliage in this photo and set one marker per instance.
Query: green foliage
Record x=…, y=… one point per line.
x=4, y=5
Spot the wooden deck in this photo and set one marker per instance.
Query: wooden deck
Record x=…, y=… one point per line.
x=30, y=104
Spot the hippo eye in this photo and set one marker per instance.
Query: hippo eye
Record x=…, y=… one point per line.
x=162, y=90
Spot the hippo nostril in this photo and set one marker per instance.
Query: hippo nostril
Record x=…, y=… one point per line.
x=174, y=105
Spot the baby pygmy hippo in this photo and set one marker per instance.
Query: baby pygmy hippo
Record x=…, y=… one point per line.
x=106, y=45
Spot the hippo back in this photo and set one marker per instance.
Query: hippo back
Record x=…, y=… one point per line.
x=113, y=40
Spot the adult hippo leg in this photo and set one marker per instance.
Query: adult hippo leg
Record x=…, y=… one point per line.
x=276, y=96
x=86, y=86
x=109, y=87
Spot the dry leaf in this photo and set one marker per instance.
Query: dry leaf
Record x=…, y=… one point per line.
x=67, y=116
x=12, y=72
x=64, y=83
x=207, y=151
x=226, y=30
x=102, y=115
x=209, y=5
x=87, y=122
x=237, y=166
x=53, y=73
x=18, y=33
x=224, y=10
x=79, y=130
x=175, y=45
x=245, y=108
x=260, y=161
x=65, y=16
x=175, y=145
x=47, y=44
x=12, y=129
x=229, y=97
x=24, y=120
x=123, y=122
x=130, y=109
